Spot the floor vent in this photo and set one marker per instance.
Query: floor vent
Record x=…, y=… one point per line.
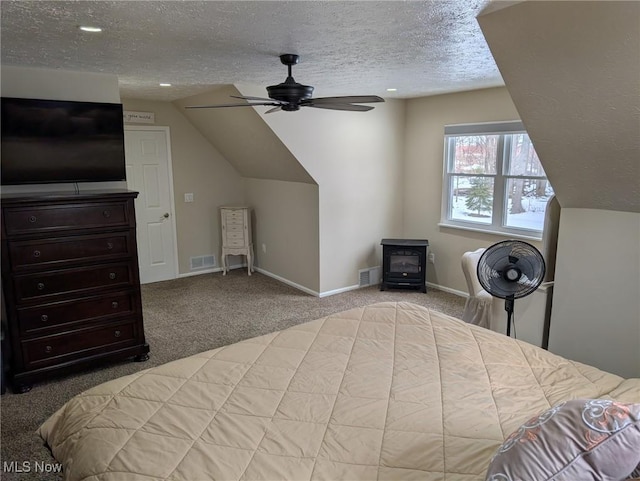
x=202, y=262
x=369, y=277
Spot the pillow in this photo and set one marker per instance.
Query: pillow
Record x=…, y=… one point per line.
x=582, y=439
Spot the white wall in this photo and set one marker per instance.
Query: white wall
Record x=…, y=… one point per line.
x=595, y=317
x=356, y=159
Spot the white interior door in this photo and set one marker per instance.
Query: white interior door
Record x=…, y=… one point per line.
x=148, y=158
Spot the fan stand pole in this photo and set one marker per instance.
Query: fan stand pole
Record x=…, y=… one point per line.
x=508, y=306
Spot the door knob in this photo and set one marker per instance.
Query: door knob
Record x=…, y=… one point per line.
x=166, y=215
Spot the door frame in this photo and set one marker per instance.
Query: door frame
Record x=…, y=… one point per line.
x=172, y=203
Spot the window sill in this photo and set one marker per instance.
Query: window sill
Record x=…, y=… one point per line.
x=509, y=235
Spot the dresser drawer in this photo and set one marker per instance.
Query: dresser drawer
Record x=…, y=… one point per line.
x=65, y=216
x=65, y=281
x=234, y=217
x=235, y=228
x=235, y=235
x=56, y=349
x=66, y=314
x=65, y=250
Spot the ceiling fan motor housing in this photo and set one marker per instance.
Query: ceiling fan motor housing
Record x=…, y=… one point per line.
x=291, y=92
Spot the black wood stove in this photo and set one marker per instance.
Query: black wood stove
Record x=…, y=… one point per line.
x=404, y=263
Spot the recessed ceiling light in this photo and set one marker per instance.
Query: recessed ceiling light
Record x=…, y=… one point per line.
x=392, y=90
x=87, y=28
x=164, y=84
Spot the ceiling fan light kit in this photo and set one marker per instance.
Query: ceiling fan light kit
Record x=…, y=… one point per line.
x=510, y=270
x=291, y=95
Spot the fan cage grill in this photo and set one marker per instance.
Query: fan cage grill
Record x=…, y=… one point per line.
x=514, y=255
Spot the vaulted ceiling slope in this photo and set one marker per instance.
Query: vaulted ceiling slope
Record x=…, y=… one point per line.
x=573, y=72
x=243, y=138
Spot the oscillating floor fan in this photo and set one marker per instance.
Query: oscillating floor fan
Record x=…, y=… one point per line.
x=510, y=270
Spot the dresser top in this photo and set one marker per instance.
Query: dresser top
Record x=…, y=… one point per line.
x=16, y=197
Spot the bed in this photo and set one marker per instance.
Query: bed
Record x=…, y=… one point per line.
x=391, y=391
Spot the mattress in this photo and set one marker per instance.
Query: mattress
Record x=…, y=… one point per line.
x=391, y=391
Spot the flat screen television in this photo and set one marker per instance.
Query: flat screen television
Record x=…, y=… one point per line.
x=53, y=141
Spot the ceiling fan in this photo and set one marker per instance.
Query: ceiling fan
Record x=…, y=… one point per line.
x=290, y=96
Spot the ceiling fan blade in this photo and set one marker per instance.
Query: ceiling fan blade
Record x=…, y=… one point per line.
x=242, y=97
x=349, y=99
x=350, y=107
x=275, y=109
x=220, y=106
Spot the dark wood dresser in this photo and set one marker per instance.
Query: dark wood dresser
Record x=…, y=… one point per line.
x=70, y=283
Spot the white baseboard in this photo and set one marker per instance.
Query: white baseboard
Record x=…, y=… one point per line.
x=287, y=282
x=201, y=271
x=302, y=288
x=212, y=270
x=341, y=290
x=447, y=289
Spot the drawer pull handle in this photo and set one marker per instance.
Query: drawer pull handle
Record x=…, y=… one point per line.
x=32, y=219
x=36, y=253
x=117, y=333
x=44, y=318
x=114, y=304
x=106, y=213
x=40, y=286
x=109, y=245
x=48, y=349
x=112, y=275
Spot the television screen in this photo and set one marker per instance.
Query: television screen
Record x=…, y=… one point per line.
x=50, y=141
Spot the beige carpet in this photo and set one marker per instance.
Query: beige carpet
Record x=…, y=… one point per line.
x=183, y=317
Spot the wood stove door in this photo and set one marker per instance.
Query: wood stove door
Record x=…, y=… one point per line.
x=404, y=264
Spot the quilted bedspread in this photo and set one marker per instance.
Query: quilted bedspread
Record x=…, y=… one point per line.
x=391, y=391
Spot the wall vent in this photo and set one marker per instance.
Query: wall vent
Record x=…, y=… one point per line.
x=202, y=262
x=369, y=277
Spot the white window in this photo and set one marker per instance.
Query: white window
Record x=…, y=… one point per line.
x=493, y=180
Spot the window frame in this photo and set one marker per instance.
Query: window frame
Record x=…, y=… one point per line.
x=504, y=130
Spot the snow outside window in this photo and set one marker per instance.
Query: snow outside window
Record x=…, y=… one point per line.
x=493, y=180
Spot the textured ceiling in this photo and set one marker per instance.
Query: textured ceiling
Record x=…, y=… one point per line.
x=419, y=47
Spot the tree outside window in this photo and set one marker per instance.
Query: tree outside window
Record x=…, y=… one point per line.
x=494, y=179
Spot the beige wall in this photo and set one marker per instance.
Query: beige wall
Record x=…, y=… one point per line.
x=423, y=174
x=595, y=317
x=286, y=230
x=242, y=137
x=42, y=83
x=576, y=88
x=356, y=159
x=200, y=169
